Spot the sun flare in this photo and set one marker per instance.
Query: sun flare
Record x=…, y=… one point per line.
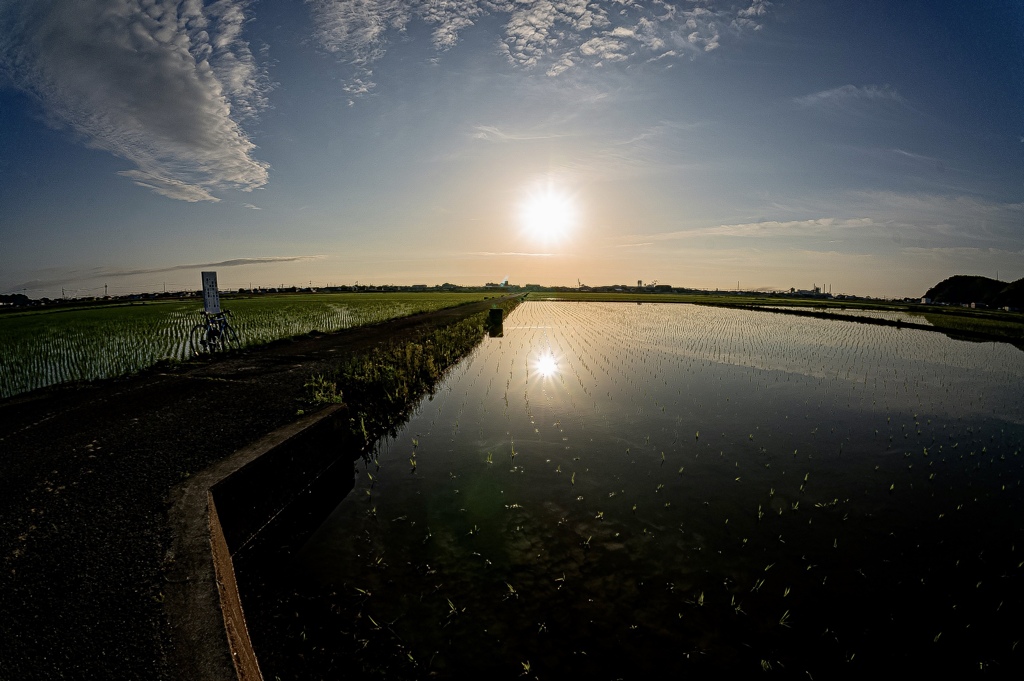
x=548, y=214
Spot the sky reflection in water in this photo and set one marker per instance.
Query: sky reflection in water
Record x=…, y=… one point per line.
x=609, y=486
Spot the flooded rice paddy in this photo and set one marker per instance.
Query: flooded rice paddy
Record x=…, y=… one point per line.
x=613, y=489
x=887, y=315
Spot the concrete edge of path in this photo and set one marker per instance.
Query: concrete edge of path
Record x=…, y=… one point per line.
x=209, y=636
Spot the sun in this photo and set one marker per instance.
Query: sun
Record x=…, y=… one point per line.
x=548, y=214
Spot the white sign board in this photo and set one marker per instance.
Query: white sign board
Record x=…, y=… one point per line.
x=211, y=297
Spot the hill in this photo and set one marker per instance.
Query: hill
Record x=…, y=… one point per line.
x=966, y=289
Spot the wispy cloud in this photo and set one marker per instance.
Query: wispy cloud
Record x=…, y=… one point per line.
x=251, y=207
x=640, y=152
x=916, y=157
x=968, y=220
x=162, y=84
x=491, y=133
x=62, y=277
x=846, y=94
x=934, y=162
x=965, y=251
x=552, y=36
x=488, y=254
x=236, y=262
x=876, y=221
x=768, y=229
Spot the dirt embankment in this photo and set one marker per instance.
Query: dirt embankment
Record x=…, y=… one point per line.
x=85, y=538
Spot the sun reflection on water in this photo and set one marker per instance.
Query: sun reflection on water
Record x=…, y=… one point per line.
x=546, y=365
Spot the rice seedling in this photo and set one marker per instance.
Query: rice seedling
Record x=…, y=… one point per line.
x=44, y=347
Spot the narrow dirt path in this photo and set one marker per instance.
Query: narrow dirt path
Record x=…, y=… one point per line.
x=85, y=473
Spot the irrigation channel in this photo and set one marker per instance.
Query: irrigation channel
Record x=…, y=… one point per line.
x=613, y=489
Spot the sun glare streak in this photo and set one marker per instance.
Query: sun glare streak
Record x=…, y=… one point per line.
x=548, y=214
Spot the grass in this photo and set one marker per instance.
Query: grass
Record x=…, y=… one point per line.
x=45, y=347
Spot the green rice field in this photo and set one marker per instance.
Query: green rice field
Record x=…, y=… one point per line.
x=40, y=348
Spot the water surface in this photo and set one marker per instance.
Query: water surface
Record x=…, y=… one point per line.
x=611, y=488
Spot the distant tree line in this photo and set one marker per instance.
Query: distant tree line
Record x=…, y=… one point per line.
x=16, y=299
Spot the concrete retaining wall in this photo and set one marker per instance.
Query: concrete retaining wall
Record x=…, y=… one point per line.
x=216, y=514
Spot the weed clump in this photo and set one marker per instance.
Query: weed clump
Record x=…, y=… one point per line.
x=323, y=391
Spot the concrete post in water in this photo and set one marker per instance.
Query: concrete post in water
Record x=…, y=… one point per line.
x=494, y=322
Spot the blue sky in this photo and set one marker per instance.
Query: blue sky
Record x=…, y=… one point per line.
x=874, y=147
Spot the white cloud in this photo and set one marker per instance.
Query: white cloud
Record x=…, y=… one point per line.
x=643, y=151
x=879, y=222
x=491, y=133
x=565, y=63
x=849, y=93
x=916, y=157
x=236, y=262
x=960, y=252
x=750, y=17
x=252, y=207
x=450, y=18
x=605, y=49
x=536, y=30
x=554, y=36
x=159, y=83
x=357, y=28
x=769, y=228
x=967, y=220
x=488, y=254
x=66, y=276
